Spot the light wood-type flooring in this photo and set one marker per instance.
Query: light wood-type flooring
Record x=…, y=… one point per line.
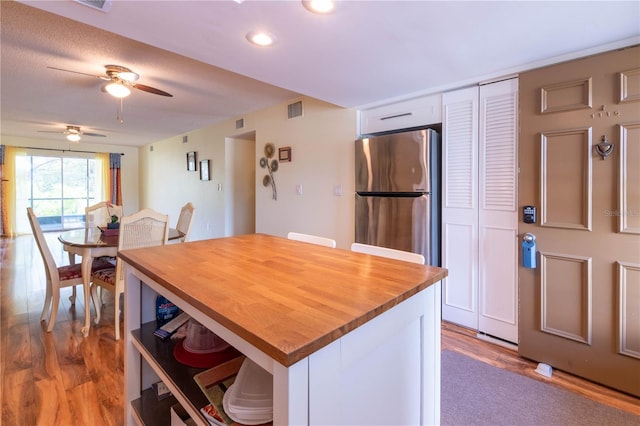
x=61, y=378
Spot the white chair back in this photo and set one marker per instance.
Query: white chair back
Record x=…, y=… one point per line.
x=313, y=239
x=54, y=280
x=99, y=214
x=388, y=252
x=184, y=221
x=146, y=228
x=49, y=262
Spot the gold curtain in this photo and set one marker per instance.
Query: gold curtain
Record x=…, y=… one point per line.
x=105, y=192
x=8, y=175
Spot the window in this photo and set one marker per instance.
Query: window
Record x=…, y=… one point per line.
x=57, y=188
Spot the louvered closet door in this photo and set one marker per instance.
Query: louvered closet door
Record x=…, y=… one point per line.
x=498, y=216
x=460, y=207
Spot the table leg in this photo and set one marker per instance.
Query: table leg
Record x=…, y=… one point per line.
x=87, y=260
x=72, y=261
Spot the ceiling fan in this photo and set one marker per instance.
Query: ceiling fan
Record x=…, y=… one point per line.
x=73, y=133
x=120, y=79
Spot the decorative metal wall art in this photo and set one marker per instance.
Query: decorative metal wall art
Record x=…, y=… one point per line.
x=271, y=164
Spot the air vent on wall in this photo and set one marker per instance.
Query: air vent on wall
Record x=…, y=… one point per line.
x=240, y=123
x=185, y=139
x=294, y=109
x=103, y=5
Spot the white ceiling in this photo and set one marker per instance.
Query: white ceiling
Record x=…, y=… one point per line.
x=366, y=53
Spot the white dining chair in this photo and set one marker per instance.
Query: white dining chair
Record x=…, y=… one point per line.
x=313, y=239
x=99, y=214
x=57, y=277
x=388, y=252
x=184, y=221
x=146, y=228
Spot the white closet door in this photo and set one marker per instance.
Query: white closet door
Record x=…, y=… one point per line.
x=498, y=220
x=460, y=207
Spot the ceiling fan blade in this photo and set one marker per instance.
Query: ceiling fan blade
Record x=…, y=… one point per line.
x=94, y=134
x=51, y=131
x=101, y=77
x=151, y=90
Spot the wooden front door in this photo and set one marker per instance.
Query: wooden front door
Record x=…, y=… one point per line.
x=580, y=308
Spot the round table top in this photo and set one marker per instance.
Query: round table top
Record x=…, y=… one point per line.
x=93, y=237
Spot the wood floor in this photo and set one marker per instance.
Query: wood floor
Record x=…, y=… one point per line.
x=61, y=378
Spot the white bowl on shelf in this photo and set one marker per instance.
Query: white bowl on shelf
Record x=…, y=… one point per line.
x=250, y=399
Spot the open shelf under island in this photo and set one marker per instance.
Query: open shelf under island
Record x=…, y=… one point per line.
x=341, y=332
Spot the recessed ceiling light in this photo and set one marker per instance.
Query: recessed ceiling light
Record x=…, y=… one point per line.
x=261, y=38
x=319, y=6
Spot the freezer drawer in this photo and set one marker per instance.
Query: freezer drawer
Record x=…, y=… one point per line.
x=401, y=223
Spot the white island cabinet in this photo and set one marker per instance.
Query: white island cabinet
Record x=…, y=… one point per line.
x=350, y=338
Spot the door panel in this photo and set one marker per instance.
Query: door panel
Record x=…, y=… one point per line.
x=579, y=309
x=628, y=177
x=460, y=300
x=566, y=305
x=498, y=299
x=560, y=207
x=498, y=217
x=629, y=282
x=460, y=207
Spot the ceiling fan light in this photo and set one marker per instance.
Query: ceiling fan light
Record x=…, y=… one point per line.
x=73, y=137
x=117, y=90
x=128, y=76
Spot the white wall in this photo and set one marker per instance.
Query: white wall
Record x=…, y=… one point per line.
x=129, y=164
x=322, y=153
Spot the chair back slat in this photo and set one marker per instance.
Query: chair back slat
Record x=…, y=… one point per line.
x=99, y=214
x=184, y=220
x=388, y=252
x=313, y=239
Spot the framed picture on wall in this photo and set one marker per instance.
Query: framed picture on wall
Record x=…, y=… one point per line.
x=284, y=154
x=204, y=170
x=191, y=161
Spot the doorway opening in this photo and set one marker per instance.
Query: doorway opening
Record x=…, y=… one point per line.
x=240, y=178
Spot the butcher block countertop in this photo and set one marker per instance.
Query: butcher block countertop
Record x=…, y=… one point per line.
x=287, y=298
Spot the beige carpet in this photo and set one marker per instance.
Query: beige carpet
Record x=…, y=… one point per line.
x=475, y=393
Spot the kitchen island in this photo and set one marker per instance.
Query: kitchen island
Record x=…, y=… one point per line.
x=349, y=338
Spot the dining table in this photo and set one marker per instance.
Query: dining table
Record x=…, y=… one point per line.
x=90, y=243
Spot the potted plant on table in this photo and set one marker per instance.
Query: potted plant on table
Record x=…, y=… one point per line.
x=114, y=222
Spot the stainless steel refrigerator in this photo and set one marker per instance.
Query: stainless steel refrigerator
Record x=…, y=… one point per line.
x=397, y=185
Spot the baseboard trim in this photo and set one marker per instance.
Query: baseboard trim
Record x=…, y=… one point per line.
x=496, y=341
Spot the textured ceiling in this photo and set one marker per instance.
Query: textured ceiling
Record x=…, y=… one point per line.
x=366, y=53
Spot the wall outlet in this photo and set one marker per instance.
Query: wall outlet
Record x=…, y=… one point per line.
x=299, y=189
